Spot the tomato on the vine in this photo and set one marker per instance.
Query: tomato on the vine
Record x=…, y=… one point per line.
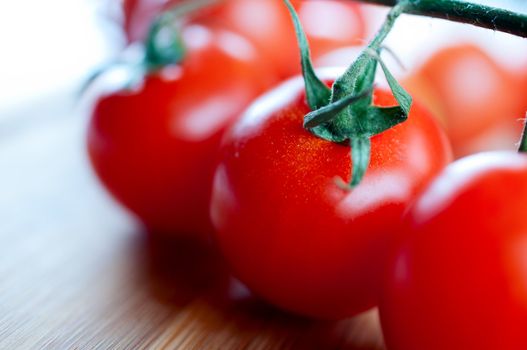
x=288, y=230
x=154, y=145
x=477, y=99
x=458, y=279
x=267, y=24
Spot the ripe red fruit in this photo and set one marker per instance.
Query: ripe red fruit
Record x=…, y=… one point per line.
x=288, y=231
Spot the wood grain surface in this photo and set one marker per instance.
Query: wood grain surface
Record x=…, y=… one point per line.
x=77, y=272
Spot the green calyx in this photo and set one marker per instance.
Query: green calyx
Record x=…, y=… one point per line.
x=345, y=112
x=164, y=44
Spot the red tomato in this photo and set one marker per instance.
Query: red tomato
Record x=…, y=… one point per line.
x=154, y=146
x=459, y=278
x=288, y=231
x=267, y=23
x=478, y=100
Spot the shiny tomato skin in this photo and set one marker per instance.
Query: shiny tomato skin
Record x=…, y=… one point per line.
x=458, y=279
x=288, y=231
x=478, y=100
x=154, y=146
x=267, y=24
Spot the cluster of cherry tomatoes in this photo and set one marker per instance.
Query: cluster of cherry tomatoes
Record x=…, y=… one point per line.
x=191, y=149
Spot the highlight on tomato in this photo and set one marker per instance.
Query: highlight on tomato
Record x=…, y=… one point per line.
x=479, y=101
x=154, y=143
x=457, y=280
x=266, y=24
x=284, y=219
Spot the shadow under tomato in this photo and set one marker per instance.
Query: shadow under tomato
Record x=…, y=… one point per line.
x=183, y=274
x=179, y=270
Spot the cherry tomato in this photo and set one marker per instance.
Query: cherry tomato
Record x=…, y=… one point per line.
x=477, y=99
x=458, y=280
x=288, y=230
x=268, y=25
x=154, y=146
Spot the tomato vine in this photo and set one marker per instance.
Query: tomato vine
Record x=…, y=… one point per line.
x=345, y=112
x=465, y=12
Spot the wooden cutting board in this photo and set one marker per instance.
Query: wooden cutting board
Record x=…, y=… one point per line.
x=77, y=272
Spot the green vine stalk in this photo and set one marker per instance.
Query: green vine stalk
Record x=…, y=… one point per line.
x=465, y=12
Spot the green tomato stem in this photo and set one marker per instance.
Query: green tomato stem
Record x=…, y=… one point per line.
x=523, y=141
x=317, y=93
x=164, y=44
x=465, y=12
x=388, y=24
